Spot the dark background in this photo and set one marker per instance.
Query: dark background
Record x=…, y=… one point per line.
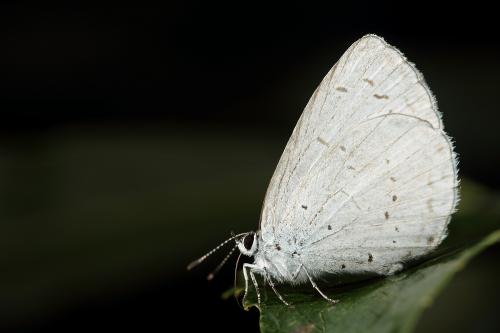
x=133, y=138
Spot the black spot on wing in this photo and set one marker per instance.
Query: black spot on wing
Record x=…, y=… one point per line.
x=370, y=82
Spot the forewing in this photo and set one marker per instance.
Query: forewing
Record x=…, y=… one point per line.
x=367, y=156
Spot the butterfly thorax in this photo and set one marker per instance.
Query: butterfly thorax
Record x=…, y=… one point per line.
x=279, y=263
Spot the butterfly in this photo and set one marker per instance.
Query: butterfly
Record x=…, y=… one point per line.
x=367, y=181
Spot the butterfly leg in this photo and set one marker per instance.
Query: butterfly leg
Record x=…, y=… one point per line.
x=271, y=283
x=294, y=275
x=317, y=289
x=254, y=281
x=245, y=275
x=256, y=285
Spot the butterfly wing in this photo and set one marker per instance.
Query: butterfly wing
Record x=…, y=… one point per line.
x=368, y=174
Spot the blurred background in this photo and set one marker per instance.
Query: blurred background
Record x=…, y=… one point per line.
x=135, y=138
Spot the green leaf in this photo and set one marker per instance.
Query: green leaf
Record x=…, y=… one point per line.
x=391, y=304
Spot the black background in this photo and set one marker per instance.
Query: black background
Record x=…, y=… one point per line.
x=241, y=71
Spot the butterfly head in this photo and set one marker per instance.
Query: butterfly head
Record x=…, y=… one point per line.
x=248, y=244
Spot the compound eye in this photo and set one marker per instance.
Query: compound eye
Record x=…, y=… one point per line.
x=248, y=241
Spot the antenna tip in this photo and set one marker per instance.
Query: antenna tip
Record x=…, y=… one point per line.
x=210, y=276
x=191, y=265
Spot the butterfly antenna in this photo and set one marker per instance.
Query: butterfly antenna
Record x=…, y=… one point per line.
x=219, y=266
x=202, y=258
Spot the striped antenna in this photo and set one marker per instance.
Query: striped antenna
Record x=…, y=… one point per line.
x=202, y=258
x=219, y=266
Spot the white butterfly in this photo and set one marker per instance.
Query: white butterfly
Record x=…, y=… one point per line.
x=367, y=181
